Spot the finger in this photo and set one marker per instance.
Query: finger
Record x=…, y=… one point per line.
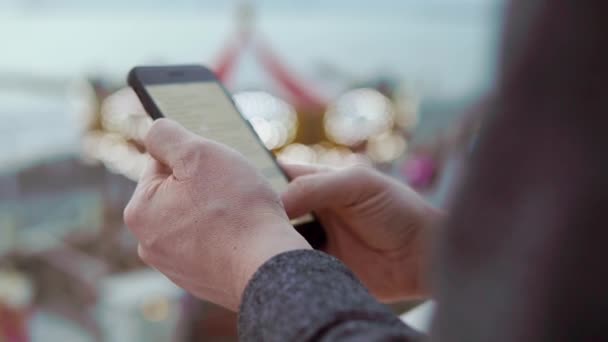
x=314, y=192
x=298, y=170
x=167, y=141
x=153, y=170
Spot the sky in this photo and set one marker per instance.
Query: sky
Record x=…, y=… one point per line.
x=448, y=45
x=177, y=5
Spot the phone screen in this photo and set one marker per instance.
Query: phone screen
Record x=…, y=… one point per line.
x=205, y=109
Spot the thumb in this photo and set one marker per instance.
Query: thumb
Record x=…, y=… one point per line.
x=323, y=190
x=299, y=170
x=167, y=141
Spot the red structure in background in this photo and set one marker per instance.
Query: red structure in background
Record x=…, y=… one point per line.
x=13, y=326
x=301, y=96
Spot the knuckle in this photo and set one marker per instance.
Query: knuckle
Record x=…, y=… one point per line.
x=190, y=157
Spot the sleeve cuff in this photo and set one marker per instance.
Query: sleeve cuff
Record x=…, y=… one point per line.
x=302, y=295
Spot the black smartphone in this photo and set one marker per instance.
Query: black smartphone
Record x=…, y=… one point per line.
x=192, y=96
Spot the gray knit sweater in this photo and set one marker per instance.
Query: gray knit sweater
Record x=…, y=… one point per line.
x=311, y=296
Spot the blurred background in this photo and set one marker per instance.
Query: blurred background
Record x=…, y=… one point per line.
x=395, y=84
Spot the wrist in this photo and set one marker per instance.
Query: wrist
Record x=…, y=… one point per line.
x=277, y=239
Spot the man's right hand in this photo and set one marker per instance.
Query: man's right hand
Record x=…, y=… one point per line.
x=377, y=226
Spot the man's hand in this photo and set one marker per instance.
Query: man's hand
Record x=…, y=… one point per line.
x=375, y=225
x=204, y=216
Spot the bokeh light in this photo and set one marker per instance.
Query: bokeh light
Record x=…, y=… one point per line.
x=322, y=154
x=386, y=147
x=155, y=309
x=82, y=102
x=358, y=115
x=297, y=154
x=407, y=108
x=274, y=120
x=123, y=113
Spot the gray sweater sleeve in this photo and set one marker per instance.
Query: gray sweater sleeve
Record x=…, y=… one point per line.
x=310, y=296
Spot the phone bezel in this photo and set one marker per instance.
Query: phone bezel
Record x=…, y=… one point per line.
x=149, y=75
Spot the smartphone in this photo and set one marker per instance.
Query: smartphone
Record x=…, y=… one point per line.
x=192, y=96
